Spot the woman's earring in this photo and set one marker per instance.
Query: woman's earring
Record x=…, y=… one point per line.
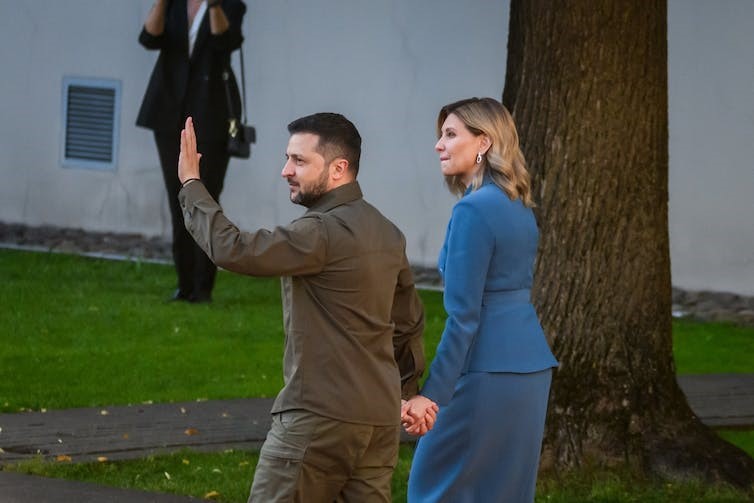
x=479, y=158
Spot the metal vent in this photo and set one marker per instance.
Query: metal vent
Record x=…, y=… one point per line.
x=91, y=113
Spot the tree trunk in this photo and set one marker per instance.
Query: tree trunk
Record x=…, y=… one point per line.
x=587, y=85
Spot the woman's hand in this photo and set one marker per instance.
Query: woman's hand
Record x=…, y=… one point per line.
x=418, y=415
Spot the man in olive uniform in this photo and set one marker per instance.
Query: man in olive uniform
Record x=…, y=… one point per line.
x=353, y=320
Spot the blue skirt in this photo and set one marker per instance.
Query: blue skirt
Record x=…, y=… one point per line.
x=486, y=442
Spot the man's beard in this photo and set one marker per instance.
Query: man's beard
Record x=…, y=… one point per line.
x=307, y=196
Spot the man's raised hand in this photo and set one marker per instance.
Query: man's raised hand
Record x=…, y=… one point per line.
x=188, y=160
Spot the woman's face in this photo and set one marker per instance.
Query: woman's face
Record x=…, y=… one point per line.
x=458, y=148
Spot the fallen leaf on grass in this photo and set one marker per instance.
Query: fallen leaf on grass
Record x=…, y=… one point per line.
x=191, y=432
x=63, y=458
x=186, y=462
x=167, y=475
x=211, y=495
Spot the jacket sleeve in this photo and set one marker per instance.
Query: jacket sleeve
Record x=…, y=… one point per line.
x=408, y=318
x=150, y=41
x=232, y=38
x=470, y=245
x=297, y=249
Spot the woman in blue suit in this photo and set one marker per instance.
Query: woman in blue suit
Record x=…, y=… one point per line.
x=492, y=371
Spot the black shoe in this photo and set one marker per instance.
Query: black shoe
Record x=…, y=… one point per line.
x=200, y=298
x=178, y=295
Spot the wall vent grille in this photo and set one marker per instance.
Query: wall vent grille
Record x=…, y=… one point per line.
x=91, y=115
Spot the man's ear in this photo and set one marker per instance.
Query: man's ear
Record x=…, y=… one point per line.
x=338, y=168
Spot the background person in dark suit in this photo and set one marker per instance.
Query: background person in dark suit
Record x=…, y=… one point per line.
x=195, y=39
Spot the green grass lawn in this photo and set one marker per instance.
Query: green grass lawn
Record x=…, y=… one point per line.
x=103, y=329
x=76, y=332
x=709, y=348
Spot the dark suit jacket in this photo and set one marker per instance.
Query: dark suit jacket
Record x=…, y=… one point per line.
x=181, y=86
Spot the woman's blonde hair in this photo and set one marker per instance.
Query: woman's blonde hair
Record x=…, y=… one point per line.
x=504, y=162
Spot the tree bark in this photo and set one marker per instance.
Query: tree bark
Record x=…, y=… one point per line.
x=587, y=85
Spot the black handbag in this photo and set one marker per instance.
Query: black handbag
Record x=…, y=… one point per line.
x=240, y=135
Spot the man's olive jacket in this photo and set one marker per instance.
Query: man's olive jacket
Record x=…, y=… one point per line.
x=352, y=318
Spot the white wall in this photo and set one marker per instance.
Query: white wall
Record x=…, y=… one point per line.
x=711, y=107
x=43, y=42
x=388, y=65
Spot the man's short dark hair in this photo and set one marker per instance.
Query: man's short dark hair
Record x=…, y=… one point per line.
x=338, y=137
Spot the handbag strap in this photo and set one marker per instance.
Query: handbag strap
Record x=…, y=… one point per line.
x=226, y=78
x=228, y=101
x=243, y=85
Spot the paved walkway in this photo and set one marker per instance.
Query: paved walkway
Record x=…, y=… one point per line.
x=126, y=432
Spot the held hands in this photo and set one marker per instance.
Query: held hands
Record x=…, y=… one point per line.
x=188, y=160
x=418, y=415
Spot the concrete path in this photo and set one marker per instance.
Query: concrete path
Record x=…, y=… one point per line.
x=125, y=432
x=136, y=431
x=721, y=400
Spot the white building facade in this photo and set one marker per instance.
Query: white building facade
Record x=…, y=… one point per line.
x=387, y=65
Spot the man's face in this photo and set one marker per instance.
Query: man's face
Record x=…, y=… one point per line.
x=305, y=169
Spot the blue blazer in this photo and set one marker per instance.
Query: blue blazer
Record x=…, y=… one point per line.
x=487, y=265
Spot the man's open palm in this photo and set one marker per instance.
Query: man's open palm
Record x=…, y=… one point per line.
x=188, y=160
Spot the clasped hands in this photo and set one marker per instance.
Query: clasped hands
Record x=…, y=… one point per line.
x=418, y=415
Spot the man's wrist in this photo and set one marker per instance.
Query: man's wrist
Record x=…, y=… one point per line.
x=190, y=180
x=214, y=3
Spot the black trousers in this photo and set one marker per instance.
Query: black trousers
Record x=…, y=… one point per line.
x=196, y=272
